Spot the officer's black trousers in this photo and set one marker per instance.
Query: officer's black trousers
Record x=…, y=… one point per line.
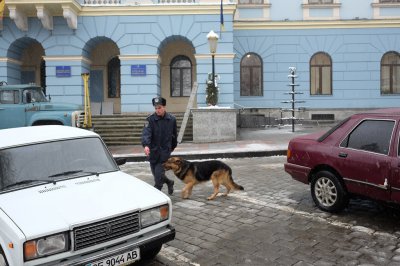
x=159, y=175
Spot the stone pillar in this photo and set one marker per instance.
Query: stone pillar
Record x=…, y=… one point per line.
x=214, y=124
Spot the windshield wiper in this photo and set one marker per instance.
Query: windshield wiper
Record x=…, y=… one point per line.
x=73, y=172
x=66, y=173
x=28, y=182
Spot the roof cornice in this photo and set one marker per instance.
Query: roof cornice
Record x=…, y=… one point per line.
x=158, y=9
x=119, y=10
x=290, y=25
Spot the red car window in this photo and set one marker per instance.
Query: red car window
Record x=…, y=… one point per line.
x=371, y=135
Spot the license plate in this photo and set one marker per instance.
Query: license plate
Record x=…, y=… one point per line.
x=116, y=260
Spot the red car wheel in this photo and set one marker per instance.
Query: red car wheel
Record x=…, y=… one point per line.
x=328, y=192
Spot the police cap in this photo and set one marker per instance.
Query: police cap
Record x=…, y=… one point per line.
x=159, y=101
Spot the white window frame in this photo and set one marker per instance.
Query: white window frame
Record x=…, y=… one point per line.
x=266, y=6
x=335, y=6
x=377, y=6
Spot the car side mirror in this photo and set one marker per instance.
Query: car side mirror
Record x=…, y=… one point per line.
x=120, y=161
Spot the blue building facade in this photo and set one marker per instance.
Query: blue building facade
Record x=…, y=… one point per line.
x=346, y=52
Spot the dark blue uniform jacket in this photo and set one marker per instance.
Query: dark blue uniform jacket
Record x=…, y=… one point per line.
x=159, y=134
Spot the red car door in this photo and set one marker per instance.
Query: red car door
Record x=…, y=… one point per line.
x=363, y=160
x=395, y=170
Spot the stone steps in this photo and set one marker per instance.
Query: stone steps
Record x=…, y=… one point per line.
x=127, y=129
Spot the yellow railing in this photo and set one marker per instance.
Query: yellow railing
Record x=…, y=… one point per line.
x=87, y=122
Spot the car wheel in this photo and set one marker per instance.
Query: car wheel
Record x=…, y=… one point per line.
x=328, y=192
x=151, y=253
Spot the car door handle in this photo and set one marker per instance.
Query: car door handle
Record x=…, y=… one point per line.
x=342, y=155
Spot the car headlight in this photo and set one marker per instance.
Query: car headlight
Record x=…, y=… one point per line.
x=45, y=246
x=154, y=215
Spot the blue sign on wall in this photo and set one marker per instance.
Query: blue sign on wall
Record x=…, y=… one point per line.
x=63, y=71
x=138, y=70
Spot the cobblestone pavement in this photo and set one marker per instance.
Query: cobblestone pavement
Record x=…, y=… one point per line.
x=273, y=222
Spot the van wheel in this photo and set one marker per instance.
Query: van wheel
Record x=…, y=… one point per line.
x=328, y=192
x=151, y=253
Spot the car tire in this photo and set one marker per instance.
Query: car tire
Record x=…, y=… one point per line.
x=151, y=253
x=328, y=192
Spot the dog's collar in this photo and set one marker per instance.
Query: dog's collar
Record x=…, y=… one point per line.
x=183, y=172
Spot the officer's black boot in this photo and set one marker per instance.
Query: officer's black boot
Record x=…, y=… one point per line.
x=170, y=184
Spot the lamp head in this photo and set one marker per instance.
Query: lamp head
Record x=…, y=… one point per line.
x=212, y=41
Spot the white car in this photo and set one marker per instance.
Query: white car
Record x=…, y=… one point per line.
x=64, y=201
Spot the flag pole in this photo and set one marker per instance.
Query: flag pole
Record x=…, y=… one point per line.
x=221, y=19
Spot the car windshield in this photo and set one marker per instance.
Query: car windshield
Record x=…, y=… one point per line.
x=36, y=93
x=34, y=164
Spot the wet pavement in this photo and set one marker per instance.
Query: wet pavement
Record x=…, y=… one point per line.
x=274, y=220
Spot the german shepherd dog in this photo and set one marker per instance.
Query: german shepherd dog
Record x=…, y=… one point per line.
x=192, y=173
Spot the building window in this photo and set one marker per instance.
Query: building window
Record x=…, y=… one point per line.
x=251, y=79
x=114, y=78
x=253, y=10
x=385, y=9
x=390, y=73
x=250, y=2
x=312, y=2
x=321, y=74
x=181, y=76
x=312, y=9
x=389, y=1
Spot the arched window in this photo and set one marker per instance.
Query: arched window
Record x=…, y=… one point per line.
x=114, y=78
x=390, y=73
x=321, y=74
x=181, y=76
x=251, y=79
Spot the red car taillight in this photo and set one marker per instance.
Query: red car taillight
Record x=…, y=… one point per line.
x=288, y=154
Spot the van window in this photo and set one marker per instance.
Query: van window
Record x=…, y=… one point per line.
x=9, y=97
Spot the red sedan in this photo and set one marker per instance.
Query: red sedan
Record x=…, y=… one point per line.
x=359, y=156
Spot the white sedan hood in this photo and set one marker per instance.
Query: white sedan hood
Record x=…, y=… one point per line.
x=53, y=208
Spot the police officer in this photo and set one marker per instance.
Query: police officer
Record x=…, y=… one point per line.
x=159, y=139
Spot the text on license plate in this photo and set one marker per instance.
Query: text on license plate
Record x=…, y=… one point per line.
x=116, y=260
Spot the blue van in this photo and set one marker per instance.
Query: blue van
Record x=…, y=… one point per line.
x=27, y=105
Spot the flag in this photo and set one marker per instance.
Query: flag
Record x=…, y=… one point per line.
x=2, y=4
x=222, y=27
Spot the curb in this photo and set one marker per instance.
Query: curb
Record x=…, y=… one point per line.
x=204, y=156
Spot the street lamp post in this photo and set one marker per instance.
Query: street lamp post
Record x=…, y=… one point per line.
x=212, y=41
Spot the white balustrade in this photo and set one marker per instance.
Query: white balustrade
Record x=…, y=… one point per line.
x=102, y=2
